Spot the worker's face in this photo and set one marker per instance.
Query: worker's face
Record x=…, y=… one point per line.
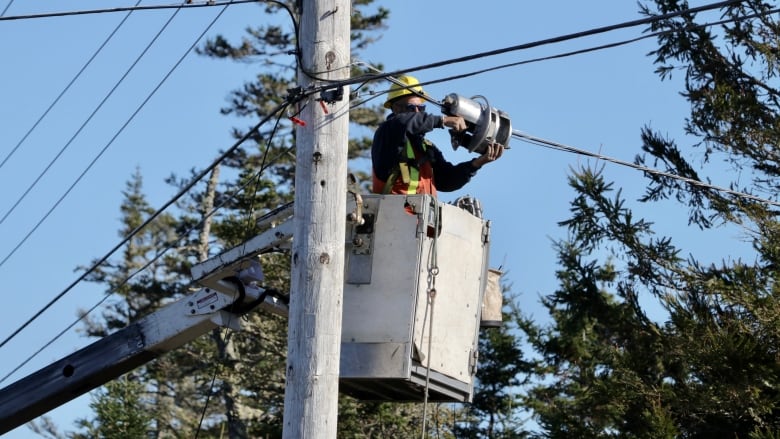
x=411, y=103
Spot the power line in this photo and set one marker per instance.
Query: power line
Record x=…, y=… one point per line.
x=207, y=3
x=151, y=218
x=181, y=193
x=204, y=4
x=390, y=76
x=693, y=182
x=87, y=169
x=533, y=44
x=111, y=141
x=89, y=118
x=67, y=87
x=279, y=110
x=600, y=47
x=10, y=2
x=575, y=35
x=105, y=99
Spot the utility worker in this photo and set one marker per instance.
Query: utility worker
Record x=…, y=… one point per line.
x=404, y=162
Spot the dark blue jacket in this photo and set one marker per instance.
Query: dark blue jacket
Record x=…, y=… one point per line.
x=389, y=145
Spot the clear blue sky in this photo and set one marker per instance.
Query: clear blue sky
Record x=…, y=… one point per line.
x=596, y=101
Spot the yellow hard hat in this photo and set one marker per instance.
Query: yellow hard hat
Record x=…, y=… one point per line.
x=397, y=90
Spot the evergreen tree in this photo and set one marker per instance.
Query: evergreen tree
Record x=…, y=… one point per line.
x=497, y=410
x=119, y=412
x=709, y=368
x=147, y=277
x=602, y=358
x=368, y=419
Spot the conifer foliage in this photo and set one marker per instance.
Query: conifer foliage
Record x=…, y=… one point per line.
x=707, y=366
x=602, y=365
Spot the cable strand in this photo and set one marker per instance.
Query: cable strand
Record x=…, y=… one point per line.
x=204, y=4
x=157, y=213
x=159, y=254
x=67, y=87
x=693, y=182
x=89, y=118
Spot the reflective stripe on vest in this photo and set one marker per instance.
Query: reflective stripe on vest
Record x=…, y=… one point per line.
x=414, y=172
x=409, y=174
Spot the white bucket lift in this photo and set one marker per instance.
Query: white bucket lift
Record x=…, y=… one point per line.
x=395, y=343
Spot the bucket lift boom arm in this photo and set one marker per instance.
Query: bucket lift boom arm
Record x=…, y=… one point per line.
x=220, y=303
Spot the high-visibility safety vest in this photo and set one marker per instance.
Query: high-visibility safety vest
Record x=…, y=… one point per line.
x=412, y=176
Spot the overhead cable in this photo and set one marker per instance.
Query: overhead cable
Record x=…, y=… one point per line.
x=203, y=4
x=594, y=48
x=391, y=78
x=89, y=118
x=10, y=2
x=151, y=218
x=110, y=142
x=132, y=233
x=693, y=182
x=207, y=3
x=537, y=43
x=67, y=87
x=93, y=162
x=278, y=110
x=105, y=99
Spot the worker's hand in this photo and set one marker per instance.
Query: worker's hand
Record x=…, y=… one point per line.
x=492, y=153
x=457, y=123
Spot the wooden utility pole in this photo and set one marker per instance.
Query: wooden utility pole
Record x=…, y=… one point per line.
x=311, y=395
